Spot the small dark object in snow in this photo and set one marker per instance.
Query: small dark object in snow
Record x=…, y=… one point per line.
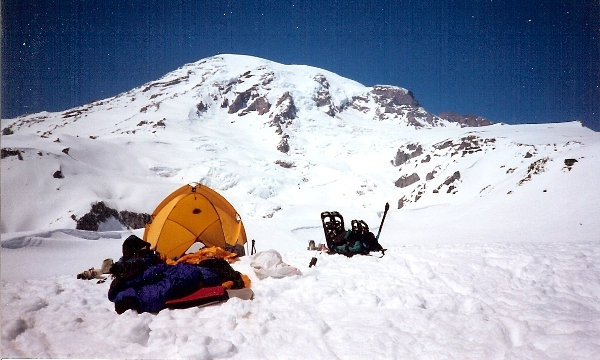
x=569, y=163
x=313, y=262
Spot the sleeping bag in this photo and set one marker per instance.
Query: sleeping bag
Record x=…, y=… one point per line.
x=142, y=281
x=150, y=291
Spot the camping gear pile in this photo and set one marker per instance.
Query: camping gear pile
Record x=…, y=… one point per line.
x=93, y=273
x=155, y=272
x=270, y=264
x=144, y=282
x=356, y=241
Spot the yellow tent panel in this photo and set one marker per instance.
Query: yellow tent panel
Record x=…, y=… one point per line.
x=195, y=213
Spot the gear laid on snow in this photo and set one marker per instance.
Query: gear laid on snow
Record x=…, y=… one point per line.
x=157, y=269
x=270, y=264
x=94, y=273
x=357, y=240
x=143, y=282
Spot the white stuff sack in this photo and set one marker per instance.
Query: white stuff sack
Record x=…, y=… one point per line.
x=269, y=263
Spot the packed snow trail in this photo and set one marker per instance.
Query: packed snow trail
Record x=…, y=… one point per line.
x=431, y=301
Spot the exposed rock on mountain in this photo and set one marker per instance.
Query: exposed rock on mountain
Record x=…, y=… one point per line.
x=100, y=213
x=11, y=152
x=405, y=181
x=465, y=120
x=535, y=168
x=322, y=96
x=285, y=112
x=394, y=103
x=569, y=163
x=449, y=182
x=414, y=150
x=468, y=145
x=392, y=98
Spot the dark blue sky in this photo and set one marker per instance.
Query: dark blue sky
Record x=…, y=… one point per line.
x=510, y=61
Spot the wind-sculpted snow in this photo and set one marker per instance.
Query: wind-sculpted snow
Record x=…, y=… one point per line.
x=37, y=239
x=57, y=252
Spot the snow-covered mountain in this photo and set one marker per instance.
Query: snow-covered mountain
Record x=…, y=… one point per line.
x=492, y=237
x=267, y=134
x=234, y=85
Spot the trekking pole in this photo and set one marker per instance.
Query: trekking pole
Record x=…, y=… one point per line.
x=387, y=207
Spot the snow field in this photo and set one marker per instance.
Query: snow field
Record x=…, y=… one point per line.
x=428, y=301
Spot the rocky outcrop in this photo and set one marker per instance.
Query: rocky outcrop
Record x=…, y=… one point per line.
x=133, y=220
x=465, y=120
x=260, y=105
x=449, y=182
x=285, y=164
x=393, y=103
x=569, y=163
x=405, y=181
x=431, y=175
x=287, y=108
x=392, y=97
x=468, y=145
x=535, y=168
x=100, y=213
x=167, y=83
x=413, y=150
x=401, y=202
x=240, y=102
x=5, y=152
x=323, y=97
x=283, y=145
x=285, y=112
x=201, y=107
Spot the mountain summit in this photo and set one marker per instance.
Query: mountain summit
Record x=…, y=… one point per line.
x=236, y=86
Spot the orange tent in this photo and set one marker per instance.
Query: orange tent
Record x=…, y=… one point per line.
x=195, y=213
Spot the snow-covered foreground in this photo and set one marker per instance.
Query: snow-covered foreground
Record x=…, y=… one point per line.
x=420, y=301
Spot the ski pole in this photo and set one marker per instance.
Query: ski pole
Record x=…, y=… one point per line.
x=387, y=207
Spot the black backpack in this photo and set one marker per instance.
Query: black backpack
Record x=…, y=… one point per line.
x=357, y=240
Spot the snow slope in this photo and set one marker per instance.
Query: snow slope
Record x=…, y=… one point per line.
x=497, y=262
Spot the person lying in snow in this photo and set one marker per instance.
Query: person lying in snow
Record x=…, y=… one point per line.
x=143, y=282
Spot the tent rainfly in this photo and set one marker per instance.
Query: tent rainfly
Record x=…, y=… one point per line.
x=195, y=213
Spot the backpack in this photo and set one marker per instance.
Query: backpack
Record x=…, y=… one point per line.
x=357, y=240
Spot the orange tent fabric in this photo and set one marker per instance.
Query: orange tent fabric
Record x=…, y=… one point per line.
x=194, y=213
x=211, y=253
